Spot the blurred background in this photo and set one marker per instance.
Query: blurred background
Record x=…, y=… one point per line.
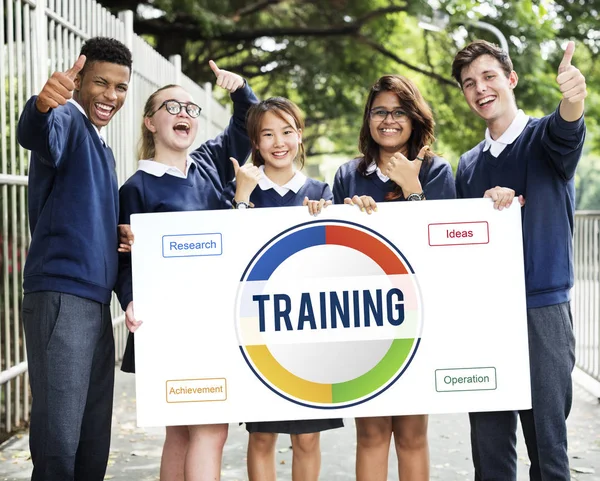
x=324, y=55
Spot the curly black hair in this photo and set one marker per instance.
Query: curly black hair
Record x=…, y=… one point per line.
x=104, y=49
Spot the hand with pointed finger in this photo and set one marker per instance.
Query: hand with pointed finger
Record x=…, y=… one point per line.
x=59, y=87
x=246, y=179
x=405, y=172
x=228, y=80
x=365, y=203
x=130, y=321
x=315, y=206
x=126, y=238
x=570, y=80
x=502, y=197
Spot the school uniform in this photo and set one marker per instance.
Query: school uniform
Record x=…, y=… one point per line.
x=435, y=177
x=269, y=194
x=156, y=187
x=537, y=158
x=69, y=275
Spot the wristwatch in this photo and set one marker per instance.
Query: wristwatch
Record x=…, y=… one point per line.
x=420, y=196
x=240, y=205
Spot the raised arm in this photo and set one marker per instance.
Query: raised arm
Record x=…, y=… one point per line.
x=44, y=124
x=233, y=141
x=572, y=86
x=564, y=133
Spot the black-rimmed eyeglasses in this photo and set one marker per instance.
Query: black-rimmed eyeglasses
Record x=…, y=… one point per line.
x=381, y=114
x=174, y=107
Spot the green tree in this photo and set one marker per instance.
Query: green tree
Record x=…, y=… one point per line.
x=325, y=54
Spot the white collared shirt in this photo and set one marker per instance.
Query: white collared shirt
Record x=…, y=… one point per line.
x=373, y=168
x=98, y=131
x=158, y=169
x=294, y=184
x=508, y=137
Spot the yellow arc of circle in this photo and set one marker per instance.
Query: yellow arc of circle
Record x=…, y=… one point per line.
x=300, y=388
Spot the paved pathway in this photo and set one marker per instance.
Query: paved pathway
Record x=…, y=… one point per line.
x=135, y=452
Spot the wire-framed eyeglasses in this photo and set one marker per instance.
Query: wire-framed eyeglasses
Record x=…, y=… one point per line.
x=174, y=107
x=398, y=115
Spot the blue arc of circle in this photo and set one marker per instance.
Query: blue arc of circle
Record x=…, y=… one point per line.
x=320, y=223
x=273, y=256
x=279, y=252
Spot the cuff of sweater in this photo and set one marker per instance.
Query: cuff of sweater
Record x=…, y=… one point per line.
x=125, y=299
x=242, y=94
x=34, y=114
x=565, y=124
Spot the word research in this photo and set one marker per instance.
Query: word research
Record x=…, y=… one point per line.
x=330, y=310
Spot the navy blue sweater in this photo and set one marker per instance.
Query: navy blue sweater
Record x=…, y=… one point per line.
x=540, y=165
x=435, y=177
x=313, y=189
x=73, y=204
x=208, y=174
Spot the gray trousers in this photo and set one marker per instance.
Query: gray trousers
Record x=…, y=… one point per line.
x=70, y=352
x=493, y=434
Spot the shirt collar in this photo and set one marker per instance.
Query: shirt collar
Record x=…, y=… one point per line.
x=98, y=131
x=294, y=184
x=508, y=137
x=373, y=168
x=158, y=169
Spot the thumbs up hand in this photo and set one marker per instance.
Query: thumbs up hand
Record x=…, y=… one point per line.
x=246, y=178
x=228, y=80
x=59, y=87
x=572, y=85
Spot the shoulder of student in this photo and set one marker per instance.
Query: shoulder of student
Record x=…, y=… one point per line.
x=315, y=182
x=469, y=158
x=438, y=162
x=133, y=183
x=348, y=167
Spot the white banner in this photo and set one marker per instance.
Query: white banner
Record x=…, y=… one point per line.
x=271, y=314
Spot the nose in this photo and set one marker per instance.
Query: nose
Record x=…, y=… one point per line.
x=183, y=112
x=389, y=119
x=481, y=86
x=110, y=93
x=278, y=140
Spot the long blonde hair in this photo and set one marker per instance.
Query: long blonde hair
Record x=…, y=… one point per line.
x=146, y=147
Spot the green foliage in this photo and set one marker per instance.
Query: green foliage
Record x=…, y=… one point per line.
x=325, y=54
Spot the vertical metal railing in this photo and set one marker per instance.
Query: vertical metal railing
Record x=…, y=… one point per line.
x=586, y=292
x=38, y=37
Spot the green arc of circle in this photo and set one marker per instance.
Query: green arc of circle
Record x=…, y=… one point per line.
x=375, y=378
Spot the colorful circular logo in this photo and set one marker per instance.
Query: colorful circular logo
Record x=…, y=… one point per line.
x=328, y=314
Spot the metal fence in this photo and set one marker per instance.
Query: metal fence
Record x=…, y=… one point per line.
x=586, y=292
x=38, y=37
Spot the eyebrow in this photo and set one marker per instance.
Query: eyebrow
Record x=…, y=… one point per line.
x=482, y=73
x=384, y=107
x=288, y=126
x=100, y=77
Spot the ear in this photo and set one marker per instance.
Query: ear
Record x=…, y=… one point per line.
x=299, y=136
x=77, y=82
x=513, y=79
x=149, y=124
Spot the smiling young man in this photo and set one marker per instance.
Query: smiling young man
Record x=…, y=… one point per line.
x=535, y=159
x=71, y=266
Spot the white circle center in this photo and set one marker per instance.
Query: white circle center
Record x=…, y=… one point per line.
x=328, y=362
